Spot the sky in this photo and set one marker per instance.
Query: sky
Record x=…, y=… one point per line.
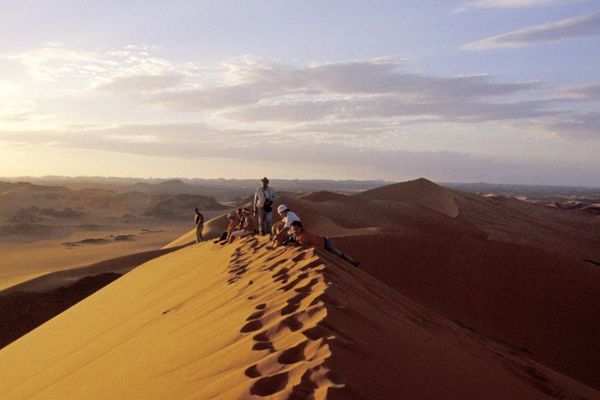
x=501, y=91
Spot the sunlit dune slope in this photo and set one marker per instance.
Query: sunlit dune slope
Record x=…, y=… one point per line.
x=213, y=228
x=243, y=321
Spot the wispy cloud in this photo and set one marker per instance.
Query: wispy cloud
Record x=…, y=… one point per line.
x=140, y=83
x=193, y=141
x=589, y=92
x=512, y=3
x=582, y=26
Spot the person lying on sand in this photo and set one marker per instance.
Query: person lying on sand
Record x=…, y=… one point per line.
x=300, y=237
x=199, y=223
x=281, y=230
x=248, y=226
x=232, y=223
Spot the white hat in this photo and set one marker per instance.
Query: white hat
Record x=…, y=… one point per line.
x=282, y=208
x=231, y=215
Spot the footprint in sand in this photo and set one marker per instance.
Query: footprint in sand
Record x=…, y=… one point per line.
x=252, y=372
x=300, y=257
x=252, y=326
x=299, y=279
x=293, y=304
x=274, y=265
x=281, y=275
x=256, y=315
x=263, y=346
x=292, y=323
x=293, y=354
x=269, y=385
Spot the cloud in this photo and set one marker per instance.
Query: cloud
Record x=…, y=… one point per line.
x=131, y=66
x=590, y=92
x=512, y=3
x=140, y=83
x=584, y=126
x=165, y=140
x=194, y=141
x=379, y=95
x=465, y=111
x=582, y=26
x=373, y=77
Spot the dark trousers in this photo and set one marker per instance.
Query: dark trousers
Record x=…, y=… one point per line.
x=330, y=248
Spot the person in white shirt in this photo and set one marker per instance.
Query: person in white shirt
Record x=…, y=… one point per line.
x=263, y=206
x=282, y=229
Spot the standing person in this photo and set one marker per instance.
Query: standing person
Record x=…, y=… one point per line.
x=304, y=238
x=263, y=206
x=281, y=230
x=199, y=223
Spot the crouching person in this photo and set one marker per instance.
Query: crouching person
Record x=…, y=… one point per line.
x=282, y=229
x=232, y=223
x=248, y=224
x=300, y=237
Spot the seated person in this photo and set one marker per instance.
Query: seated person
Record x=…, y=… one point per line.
x=248, y=226
x=303, y=238
x=232, y=223
x=281, y=230
x=240, y=218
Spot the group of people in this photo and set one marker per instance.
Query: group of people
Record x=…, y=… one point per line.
x=289, y=231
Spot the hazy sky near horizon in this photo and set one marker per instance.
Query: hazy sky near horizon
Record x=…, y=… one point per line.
x=480, y=90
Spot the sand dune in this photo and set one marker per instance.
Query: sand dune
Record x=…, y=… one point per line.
x=242, y=321
x=20, y=262
x=458, y=297
x=213, y=228
x=420, y=192
x=118, y=265
x=530, y=299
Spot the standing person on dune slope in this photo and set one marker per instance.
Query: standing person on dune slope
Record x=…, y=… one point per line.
x=264, y=196
x=199, y=223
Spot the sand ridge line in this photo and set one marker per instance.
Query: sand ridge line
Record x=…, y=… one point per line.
x=284, y=327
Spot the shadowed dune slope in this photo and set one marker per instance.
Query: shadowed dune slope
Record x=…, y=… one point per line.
x=244, y=322
x=538, y=302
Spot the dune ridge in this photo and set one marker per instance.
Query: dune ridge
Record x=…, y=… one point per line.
x=245, y=322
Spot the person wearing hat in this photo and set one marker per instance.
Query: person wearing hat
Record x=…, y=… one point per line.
x=281, y=230
x=199, y=223
x=264, y=196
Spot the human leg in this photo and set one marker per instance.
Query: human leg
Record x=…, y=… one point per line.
x=268, y=222
x=261, y=220
x=329, y=247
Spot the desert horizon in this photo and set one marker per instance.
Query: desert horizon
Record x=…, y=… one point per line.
x=300, y=200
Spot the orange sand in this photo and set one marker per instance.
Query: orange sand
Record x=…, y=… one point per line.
x=458, y=297
x=242, y=321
